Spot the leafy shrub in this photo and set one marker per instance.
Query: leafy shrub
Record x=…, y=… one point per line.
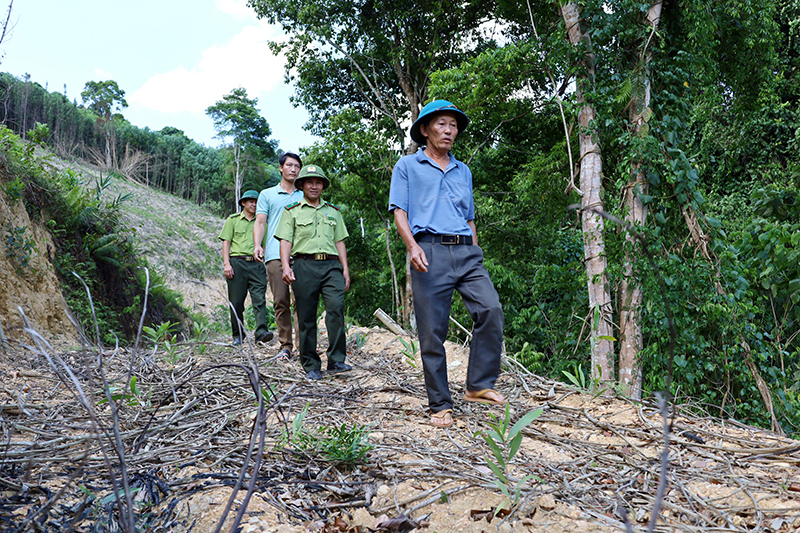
x=91, y=242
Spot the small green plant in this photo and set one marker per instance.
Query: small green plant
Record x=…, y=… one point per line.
x=164, y=334
x=220, y=319
x=505, y=443
x=410, y=350
x=39, y=134
x=358, y=340
x=582, y=380
x=531, y=359
x=131, y=395
x=200, y=334
x=345, y=445
x=341, y=445
x=13, y=190
x=19, y=248
x=579, y=378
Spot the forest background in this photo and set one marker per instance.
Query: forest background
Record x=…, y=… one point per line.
x=635, y=165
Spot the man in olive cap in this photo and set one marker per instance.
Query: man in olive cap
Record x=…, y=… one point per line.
x=313, y=232
x=242, y=272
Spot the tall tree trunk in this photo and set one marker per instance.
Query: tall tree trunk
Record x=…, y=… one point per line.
x=108, y=150
x=395, y=287
x=591, y=172
x=630, y=326
x=237, y=182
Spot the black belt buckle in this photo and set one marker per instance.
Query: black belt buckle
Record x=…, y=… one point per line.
x=320, y=257
x=451, y=239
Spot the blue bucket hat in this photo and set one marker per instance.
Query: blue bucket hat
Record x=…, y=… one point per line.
x=427, y=113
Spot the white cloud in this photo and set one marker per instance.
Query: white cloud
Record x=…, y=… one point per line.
x=102, y=75
x=238, y=8
x=245, y=61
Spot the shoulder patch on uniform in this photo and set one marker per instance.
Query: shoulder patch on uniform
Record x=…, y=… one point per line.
x=333, y=206
x=234, y=215
x=292, y=205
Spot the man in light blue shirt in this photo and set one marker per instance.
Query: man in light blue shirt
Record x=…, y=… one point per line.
x=431, y=199
x=271, y=202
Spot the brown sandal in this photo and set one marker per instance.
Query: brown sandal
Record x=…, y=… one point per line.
x=482, y=396
x=442, y=415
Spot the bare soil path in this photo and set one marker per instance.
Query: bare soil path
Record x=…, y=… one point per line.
x=187, y=432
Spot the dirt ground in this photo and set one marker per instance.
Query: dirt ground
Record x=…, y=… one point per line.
x=191, y=445
x=588, y=457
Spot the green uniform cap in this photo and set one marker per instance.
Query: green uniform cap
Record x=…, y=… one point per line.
x=311, y=171
x=247, y=195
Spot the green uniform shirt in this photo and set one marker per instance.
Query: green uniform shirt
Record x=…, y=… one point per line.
x=311, y=230
x=239, y=231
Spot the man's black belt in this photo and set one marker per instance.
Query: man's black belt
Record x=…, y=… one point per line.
x=317, y=257
x=443, y=239
x=245, y=257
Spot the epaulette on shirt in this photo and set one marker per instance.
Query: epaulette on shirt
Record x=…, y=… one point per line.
x=333, y=206
x=292, y=206
x=234, y=215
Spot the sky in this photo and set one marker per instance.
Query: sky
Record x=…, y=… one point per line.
x=173, y=59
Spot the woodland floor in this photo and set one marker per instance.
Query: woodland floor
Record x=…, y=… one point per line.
x=194, y=430
x=187, y=435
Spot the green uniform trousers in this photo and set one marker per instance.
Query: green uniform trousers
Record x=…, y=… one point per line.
x=248, y=276
x=313, y=278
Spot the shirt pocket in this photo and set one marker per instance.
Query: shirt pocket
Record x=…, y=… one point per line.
x=329, y=228
x=305, y=229
x=460, y=194
x=240, y=236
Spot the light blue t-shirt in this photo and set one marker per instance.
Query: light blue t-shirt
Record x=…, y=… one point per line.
x=271, y=202
x=436, y=201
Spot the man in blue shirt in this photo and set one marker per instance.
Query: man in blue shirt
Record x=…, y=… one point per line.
x=431, y=198
x=271, y=203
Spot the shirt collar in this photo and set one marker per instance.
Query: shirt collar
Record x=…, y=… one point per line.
x=422, y=157
x=322, y=203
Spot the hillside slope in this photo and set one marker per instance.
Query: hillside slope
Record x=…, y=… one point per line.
x=353, y=452
x=178, y=238
x=27, y=277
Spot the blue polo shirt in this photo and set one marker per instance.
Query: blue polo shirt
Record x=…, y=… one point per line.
x=436, y=201
x=271, y=202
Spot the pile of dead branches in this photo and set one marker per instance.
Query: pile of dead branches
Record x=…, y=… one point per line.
x=118, y=440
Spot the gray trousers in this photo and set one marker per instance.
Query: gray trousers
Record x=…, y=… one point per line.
x=456, y=267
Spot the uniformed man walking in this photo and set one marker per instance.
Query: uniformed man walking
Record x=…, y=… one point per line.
x=242, y=272
x=312, y=232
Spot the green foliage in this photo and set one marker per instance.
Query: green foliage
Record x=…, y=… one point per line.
x=13, y=189
x=373, y=58
x=19, y=248
x=130, y=395
x=90, y=241
x=341, y=445
x=578, y=378
x=236, y=116
x=103, y=97
x=167, y=159
x=357, y=340
x=164, y=335
x=200, y=335
x=410, y=350
x=504, y=441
